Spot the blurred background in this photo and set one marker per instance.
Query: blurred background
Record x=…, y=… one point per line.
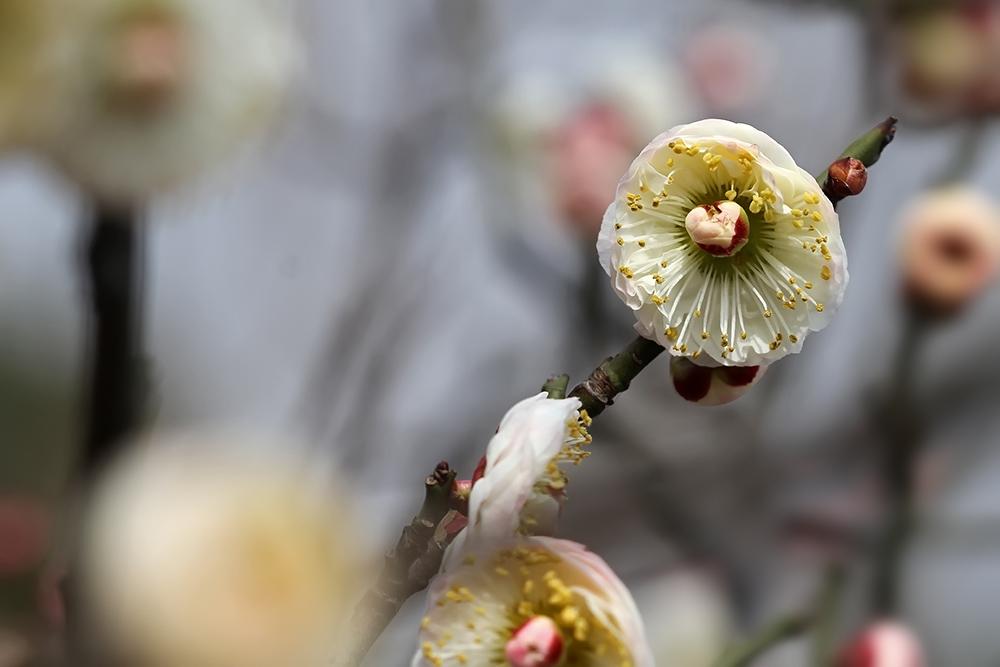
x=410, y=252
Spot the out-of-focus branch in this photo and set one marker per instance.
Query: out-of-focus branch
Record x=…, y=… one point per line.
x=405, y=570
x=789, y=626
x=825, y=624
x=615, y=375
x=778, y=631
x=899, y=459
x=113, y=266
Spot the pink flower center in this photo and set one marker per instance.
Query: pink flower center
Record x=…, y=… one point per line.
x=720, y=229
x=537, y=643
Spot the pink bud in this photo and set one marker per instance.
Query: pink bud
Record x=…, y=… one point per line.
x=884, y=644
x=587, y=156
x=537, y=643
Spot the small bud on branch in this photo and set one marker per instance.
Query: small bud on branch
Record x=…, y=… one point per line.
x=847, y=178
x=866, y=149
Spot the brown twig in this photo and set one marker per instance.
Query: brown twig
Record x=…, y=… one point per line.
x=408, y=567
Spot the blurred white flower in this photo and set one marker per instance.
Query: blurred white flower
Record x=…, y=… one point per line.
x=712, y=385
x=723, y=246
x=522, y=485
x=200, y=555
x=950, y=246
x=532, y=602
x=149, y=94
x=689, y=621
x=884, y=644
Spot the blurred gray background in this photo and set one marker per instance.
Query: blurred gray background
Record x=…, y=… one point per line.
x=372, y=281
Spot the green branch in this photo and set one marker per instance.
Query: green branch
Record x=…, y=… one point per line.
x=555, y=386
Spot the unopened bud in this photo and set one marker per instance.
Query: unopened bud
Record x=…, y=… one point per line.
x=537, y=643
x=847, y=177
x=884, y=644
x=717, y=385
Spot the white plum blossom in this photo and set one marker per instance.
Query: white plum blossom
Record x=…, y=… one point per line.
x=144, y=96
x=522, y=484
x=531, y=602
x=723, y=246
x=202, y=554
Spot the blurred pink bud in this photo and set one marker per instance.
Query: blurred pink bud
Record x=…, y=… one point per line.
x=707, y=385
x=729, y=67
x=587, y=156
x=884, y=644
x=24, y=535
x=950, y=248
x=537, y=643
